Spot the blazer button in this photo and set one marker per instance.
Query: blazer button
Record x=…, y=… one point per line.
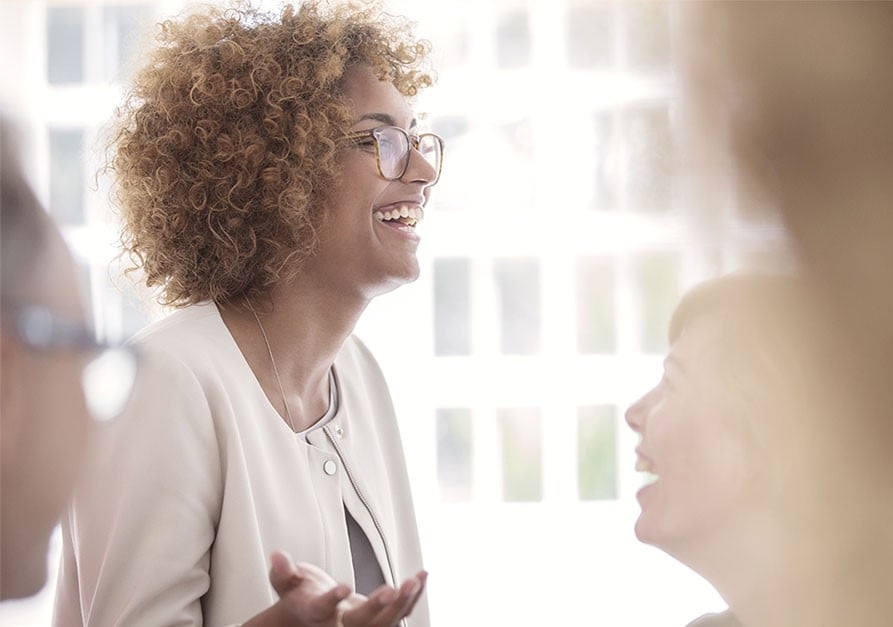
x=339, y=431
x=330, y=467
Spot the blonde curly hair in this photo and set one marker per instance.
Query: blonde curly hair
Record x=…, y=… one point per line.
x=227, y=142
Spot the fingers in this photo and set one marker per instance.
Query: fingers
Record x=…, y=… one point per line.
x=422, y=576
x=386, y=606
x=409, y=594
x=283, y=576
x=325, y=604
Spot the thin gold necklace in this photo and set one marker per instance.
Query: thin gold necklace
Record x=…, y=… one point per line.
x=272, y=361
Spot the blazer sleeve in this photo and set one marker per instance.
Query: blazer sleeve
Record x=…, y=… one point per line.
x=138, y=533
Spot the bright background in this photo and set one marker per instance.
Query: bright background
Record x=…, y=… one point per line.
x=554, y=250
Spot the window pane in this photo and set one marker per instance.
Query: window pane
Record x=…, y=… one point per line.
x=590, y=36
x=121, y=31
x=513, y=40
x=597, y=452
x=521, y=454
x=66, y=176
x=595, y=306
x=606, y=175
x=452, y=307
x=650, y=150
x=517, y=165
x=657, y=276
x=518, y=289
x=648, y=36
x=454, y=453
x=450, y=127
x=65, y=44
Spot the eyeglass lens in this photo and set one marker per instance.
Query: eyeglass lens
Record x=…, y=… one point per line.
x=393, y=151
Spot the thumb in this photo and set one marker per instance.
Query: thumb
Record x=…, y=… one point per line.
x=283, y=576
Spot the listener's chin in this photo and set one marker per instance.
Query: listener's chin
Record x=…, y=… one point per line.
x=645, y=531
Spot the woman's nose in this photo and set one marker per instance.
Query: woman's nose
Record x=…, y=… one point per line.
x=419, y=169
x=637, y=413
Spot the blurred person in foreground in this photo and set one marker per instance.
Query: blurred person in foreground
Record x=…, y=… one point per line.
x=745, y=439
x=792, y=101
x=50, y=360
x=788, y=103
x=270, y=173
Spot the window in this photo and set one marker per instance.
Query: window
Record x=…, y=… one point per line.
x=522, y=458
x=121, y=28
x=597, y=453
x=454, y=453
x=657, y=276
x=67, y=176
x=595, y=306
x=518, y=289
x=513, y=40
x=452, y=307
x=590, y=36
x=605, y=176
x=650, y=149
x=647, y=36
x=65, y=44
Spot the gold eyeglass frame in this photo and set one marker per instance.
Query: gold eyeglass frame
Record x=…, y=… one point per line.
x=413, y=141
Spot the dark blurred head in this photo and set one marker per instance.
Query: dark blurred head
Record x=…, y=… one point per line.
x=44, y=419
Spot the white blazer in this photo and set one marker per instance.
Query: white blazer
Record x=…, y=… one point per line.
x=200, y=480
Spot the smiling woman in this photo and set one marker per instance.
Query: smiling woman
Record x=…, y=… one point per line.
x=739, y=433
x=261, y=423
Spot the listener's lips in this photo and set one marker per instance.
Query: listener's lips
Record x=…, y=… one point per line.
x=645, y=465
x=643, y=462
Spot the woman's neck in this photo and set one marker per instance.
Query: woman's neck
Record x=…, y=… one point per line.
x=300, y=328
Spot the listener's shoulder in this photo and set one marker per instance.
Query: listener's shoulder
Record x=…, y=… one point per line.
x=723, y=619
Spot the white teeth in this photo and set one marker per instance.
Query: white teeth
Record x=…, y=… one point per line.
x=404, y=211
x=646, y=467
x=649, y=478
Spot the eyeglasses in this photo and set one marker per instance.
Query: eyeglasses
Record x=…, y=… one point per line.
x=109, y=375
x=392, y=150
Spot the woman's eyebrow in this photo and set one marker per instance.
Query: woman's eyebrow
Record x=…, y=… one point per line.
x=384, y=118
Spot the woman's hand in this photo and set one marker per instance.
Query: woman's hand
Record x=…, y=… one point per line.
x=309, y=597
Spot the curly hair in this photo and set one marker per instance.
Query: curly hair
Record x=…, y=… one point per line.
x=227, y=142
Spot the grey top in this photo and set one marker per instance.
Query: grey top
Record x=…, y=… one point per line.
x=366, y=571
